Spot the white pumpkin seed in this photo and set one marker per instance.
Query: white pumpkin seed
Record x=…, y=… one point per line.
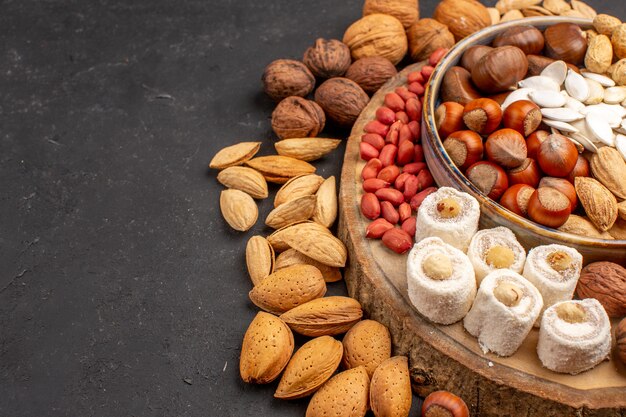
x=602, y=79
x=547, y=98
x=622, y=128
x=620, y=145
x=565, y=127
x=576, y=86
x=574, y=104
x=539, y=82
x=584, y=141
x=562, y=114
x=614, y=95
x=596, y=92
x=607, y=112
x=579, y=147
x=600, y=129
x=557, y=71
x=515, y=95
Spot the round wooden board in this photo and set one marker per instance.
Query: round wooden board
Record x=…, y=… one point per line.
x=447, y=357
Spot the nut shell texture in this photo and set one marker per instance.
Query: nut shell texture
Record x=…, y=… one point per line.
x=296, y=117
x=327, y=58
x=371, y=73
x=463, y=17
x=406, y=11
x=367, y=343
x=342, y=99
x=287, y=77
x=606, y=282
x=427, y=35
x=377, y=35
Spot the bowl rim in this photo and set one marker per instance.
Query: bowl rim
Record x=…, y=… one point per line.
x=484, y=36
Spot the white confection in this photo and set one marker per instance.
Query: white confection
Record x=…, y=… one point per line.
x=483, y=240
x=499, y=328
x=457, y=231
x=553, y=285
x=443, y=301
x=574, y=347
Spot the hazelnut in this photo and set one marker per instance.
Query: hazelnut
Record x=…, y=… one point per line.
x=287, y=77
x=508, y=293
x=327, y=58
x=565, y=41
x=463, y=17
x=296, y=117
x=341, y=99
x=437, y=266
x=406, y=11
x=371, y=72
x=559, y=261
x=377, y=35
x=427, y=35
x=506, y=147
x=448, y=208
x=571, y=312
x=499, y=256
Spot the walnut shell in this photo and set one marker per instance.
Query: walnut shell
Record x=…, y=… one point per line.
x=296, y=117
x=620, y=339
x=463, y=17
x=618, y=39
x=606, y=282
x=342, y=100
x=406, y=11
x=425, y=36
x=327, y=58
x=371, y=73
x=377, y=35
x=287, y=77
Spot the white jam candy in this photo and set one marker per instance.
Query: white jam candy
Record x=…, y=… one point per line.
x=496, y=248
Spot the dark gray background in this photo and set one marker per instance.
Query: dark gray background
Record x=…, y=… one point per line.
x=122, y=290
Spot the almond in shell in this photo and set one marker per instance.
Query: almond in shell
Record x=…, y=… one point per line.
x=278, y=168
x=288, y=287
x=292, y=211
x=344, y=395
x=277, y=241
x=321, y=246
x=621, y=210
x=259, y=258
x=618, y=231
x=238, y=209
x=368, y=344
x=324, y=316
x=599, y=203
x=326, y=205
x=266, y=349
x=581, y=226
x=608, y=167
x=297, y=187
x=293, y=257
x=234, y=155
x=312, y=365
x=244, y=179
x=390, y=388
x=306, y=149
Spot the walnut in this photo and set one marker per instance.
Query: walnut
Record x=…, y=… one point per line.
x=296, y=117
x=327, y=58
x=463, y=17
x=377, y=35
x=371, y=72
x=287, y=77
x=425, y=36
x=342, y=100
x=606, y=282
x=406, y=11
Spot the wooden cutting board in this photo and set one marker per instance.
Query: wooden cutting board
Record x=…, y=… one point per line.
x=447, y=357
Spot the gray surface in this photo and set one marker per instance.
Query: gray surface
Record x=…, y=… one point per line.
x=122, y=291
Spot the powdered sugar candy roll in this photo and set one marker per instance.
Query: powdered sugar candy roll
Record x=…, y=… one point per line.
x=493, y=249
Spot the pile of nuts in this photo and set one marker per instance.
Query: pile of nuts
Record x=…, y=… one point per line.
x=548, y=152
x=395, y=178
